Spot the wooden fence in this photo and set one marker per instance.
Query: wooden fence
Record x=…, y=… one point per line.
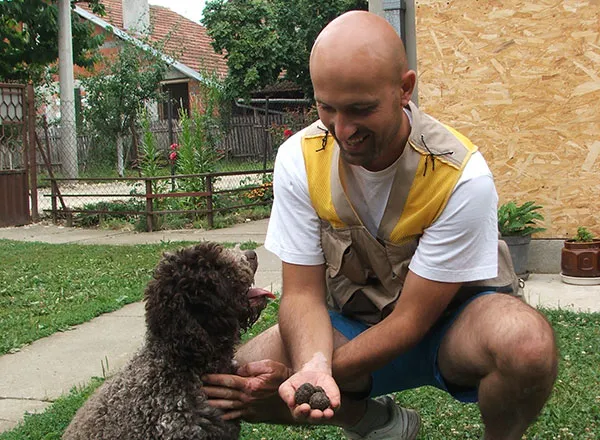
x=248, y=136
x=60, y=187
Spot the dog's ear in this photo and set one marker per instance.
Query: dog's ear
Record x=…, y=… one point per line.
x=170, y=324
x=197, y=299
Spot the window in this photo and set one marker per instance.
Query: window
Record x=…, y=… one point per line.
x=180, y=97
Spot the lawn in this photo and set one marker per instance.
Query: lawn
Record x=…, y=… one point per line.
x=45, y=288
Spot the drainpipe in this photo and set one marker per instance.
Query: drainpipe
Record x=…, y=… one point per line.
x=401, y=15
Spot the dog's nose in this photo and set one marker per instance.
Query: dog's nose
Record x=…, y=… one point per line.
x=252, y=259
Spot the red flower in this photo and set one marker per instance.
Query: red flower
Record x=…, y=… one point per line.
x=173, y=155
x=287, y=133
x=174, y=147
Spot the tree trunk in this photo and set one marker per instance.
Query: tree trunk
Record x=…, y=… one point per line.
x=120, y=166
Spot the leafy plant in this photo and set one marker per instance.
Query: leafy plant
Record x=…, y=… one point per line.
x=116, y=209
x=520, y=220
x=583, y=235
x=129, y=80
x=29, y=42
x=261, y=39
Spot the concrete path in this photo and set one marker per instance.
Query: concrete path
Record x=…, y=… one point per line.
x=48, y=368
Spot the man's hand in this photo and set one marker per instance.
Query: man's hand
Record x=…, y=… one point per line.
x=245, y=394
x=303, y=412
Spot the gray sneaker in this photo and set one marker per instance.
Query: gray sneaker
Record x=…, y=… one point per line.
x=404, y=424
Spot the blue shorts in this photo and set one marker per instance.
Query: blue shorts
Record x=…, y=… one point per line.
x=417, y=367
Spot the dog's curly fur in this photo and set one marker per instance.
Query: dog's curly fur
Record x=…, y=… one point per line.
x=196, y=307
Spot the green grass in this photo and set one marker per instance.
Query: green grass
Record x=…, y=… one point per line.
x=45, y=288
x=573, y=411
x=50, y=424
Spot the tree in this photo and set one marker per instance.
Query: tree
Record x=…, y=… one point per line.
x=29, y=38
x=263, y=38
x=115, y=96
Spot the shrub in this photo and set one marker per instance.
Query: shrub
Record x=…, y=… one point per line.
x=583, y=235
x=519, y=220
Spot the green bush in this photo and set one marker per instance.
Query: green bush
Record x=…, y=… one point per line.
x=583, y=235
x=519, y=220
x=117, y=210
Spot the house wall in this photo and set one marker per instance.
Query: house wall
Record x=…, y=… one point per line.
x=109, y=49
x=522, y=80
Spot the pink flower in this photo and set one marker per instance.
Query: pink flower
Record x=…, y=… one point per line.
x=174, y=147
x=287, y=133
x=173, y=155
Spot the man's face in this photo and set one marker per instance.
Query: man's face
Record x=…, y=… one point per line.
x=363, y=114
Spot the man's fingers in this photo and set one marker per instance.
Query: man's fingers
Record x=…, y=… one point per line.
x=255, y=368
x=328, y=413
x=224, y=393
x=288, y=394
x=226, y=404
x=232, y=415
x=225, y=380
x=301, y=411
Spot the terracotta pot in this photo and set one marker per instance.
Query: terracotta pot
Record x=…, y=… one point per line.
x=580, y=259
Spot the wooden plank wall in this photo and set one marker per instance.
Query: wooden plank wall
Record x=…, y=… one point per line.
x=522, y=80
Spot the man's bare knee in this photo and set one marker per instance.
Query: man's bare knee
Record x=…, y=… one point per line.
x=525, y=346
x=266, y=345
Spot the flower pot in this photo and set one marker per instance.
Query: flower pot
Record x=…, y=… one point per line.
x=518, y=246
x=580, y=260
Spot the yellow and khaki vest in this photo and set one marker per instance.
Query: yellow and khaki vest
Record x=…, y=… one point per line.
x=365, y=274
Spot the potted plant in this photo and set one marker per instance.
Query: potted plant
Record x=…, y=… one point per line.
x=580, y=259
x=516, y=224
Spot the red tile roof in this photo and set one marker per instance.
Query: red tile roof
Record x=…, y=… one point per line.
x=188, y=42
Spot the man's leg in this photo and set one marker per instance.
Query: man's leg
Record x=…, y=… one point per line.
x=508, y=349
x=359, y=416
x=269, y=345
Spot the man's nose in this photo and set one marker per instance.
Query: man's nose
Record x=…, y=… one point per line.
x=344, y=127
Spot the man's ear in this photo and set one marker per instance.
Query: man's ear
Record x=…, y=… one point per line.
x=409, y=79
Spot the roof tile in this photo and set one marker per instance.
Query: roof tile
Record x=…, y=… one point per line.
x=185, y=40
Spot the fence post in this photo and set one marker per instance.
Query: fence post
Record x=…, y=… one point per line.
x=171, y=137
x=149, y=215
x=53, y=200
x=209, y=204
x=267, y=135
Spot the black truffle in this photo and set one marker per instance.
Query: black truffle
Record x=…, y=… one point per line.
x=314, y=396
x=319, y=400
x=303, y=393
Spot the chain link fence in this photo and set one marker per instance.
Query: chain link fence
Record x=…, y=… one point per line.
x=85, y=176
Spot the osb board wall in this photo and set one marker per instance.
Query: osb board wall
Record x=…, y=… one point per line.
x=522, y=80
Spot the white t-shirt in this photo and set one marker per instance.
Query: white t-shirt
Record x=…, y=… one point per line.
x=460, y=246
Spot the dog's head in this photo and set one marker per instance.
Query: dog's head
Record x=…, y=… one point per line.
x=201, y=298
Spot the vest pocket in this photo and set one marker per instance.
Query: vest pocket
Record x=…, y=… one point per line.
x=340, y=257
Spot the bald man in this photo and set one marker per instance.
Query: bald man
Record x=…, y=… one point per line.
x=393, y=276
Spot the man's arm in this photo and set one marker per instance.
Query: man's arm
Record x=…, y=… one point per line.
x=303, y=318
x=420, y=305
x=307, y=335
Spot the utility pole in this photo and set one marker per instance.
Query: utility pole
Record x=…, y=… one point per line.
x=401, y=15
x=68, y=135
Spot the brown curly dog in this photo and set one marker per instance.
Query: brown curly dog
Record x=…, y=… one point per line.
x=199, y=301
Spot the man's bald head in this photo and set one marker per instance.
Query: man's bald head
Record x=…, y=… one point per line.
x=359, y=39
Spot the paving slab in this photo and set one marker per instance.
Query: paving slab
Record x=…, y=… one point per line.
x=50, y=233
x=12, y=410
x=548, y=291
